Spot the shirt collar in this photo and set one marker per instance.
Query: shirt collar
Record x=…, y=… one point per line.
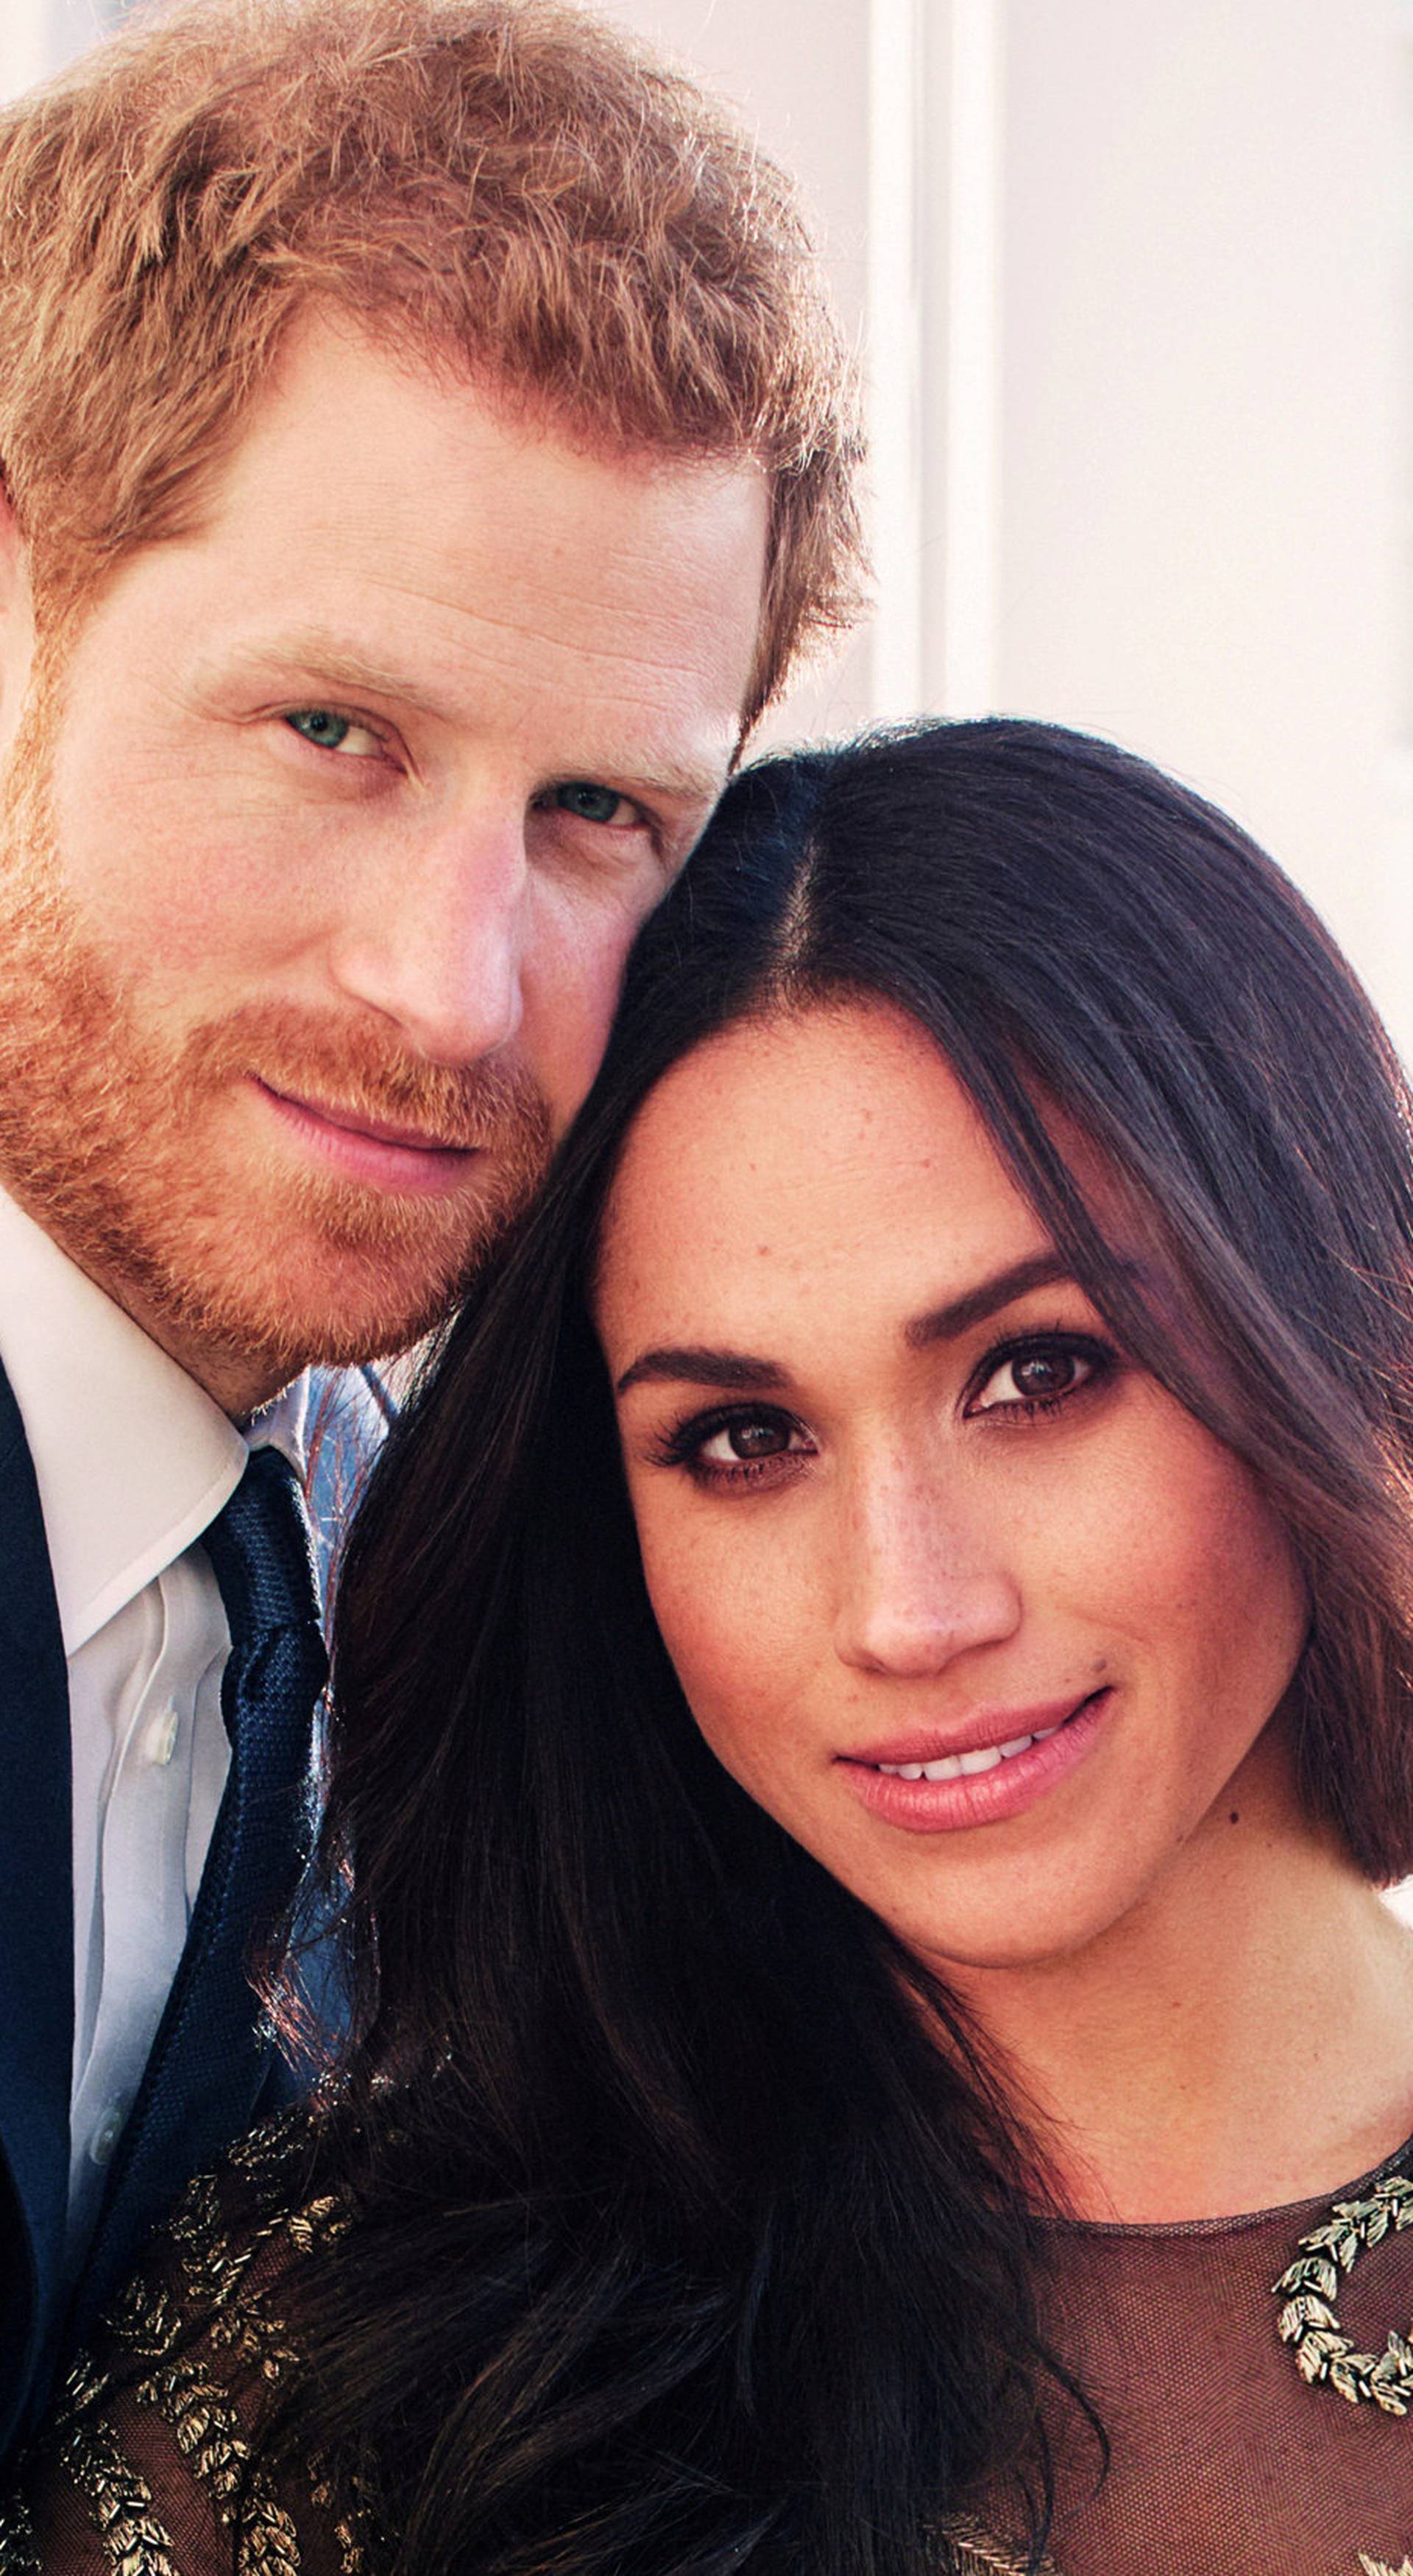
x=133, y=1459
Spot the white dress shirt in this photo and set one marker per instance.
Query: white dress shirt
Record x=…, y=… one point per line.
x=133, y=1461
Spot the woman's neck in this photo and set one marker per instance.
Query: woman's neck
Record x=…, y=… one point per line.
x=1244, y=2037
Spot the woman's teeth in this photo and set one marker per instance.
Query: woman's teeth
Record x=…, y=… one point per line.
x=961, y=1766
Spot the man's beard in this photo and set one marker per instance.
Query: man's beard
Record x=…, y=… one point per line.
x=110, y=1138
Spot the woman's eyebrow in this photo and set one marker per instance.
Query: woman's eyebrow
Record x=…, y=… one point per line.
x=976, y=1305
x=697, y=1366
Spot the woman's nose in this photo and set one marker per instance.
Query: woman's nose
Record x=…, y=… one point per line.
x=920, y=1579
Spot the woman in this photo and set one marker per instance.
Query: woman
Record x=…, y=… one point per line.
x=873, y=1706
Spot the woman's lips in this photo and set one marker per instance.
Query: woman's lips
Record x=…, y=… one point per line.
x=990, y=1781
x=387, y=1157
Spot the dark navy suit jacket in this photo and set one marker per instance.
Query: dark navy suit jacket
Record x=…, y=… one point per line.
x=187, y=2107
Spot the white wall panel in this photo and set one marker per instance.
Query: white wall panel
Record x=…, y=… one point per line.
x=25, y=44
x=1200, y=457
x=37, y=36
x=966, y=199
x=894, y=336
x=1137, y=399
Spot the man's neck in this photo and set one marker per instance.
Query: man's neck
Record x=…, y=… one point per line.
x=239, y=1381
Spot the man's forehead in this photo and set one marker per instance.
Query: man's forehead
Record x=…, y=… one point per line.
x=335, y=377
x=357, y=455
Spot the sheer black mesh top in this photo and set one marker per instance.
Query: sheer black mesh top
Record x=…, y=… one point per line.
x=1255, y=2385
x=1254, y=2430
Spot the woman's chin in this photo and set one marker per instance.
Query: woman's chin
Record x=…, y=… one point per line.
x=1017, y=1926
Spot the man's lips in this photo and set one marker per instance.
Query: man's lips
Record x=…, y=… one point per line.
x=382, y=1152
x=355, y=1123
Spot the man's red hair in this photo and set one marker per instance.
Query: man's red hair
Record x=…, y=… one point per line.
x=507, y=187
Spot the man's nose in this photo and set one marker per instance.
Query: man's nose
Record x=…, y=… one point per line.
x=438, y=941
x=920, y=1578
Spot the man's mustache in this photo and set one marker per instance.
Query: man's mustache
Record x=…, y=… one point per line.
x=344, y=1066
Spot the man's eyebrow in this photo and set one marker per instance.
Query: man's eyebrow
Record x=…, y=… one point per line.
x=701, y=787
x=694, y=1365
x=976, y=1305
x=311, y=649
x=333, y=664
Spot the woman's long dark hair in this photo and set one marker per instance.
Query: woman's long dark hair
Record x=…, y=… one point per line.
x=679, y=2246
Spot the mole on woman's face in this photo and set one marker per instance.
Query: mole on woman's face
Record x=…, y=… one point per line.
x=953, y=1587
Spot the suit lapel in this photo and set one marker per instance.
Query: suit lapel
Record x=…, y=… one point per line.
x=36, y=1907
x=200, y=2083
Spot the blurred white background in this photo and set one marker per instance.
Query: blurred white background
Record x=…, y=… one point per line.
x=1131, y=280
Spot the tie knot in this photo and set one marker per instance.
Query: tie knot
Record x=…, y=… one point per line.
x=261, y=1553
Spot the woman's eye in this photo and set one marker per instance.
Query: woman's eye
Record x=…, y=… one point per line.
x=594, y=804
x=740, y=1442
x=330, y=732
x=733, y=1448
x=1038, y=1377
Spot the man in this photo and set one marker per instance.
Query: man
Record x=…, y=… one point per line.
x=423, y=452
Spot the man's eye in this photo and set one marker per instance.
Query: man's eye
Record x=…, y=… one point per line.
x=329, y=732
x=594, y=804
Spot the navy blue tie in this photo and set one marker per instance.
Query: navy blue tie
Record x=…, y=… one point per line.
x=209, y=2054
x=263, y=1559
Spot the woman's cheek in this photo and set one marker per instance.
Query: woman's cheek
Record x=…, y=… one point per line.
x=729, y=1612
x=707, y=1615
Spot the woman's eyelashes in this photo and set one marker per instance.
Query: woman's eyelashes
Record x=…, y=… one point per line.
x=1018, y=1382
x=735, y=1444
x=1038, y=1374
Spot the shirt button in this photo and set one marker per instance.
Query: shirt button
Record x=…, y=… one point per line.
x=161, y=1741
x=105, y=2137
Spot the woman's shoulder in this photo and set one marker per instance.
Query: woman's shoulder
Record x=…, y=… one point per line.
x=156, y=2459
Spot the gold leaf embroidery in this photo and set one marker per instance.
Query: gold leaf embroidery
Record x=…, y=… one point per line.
x=19, y=2553
x=976, y=2554
x=119, y=2502
x=168, y=2345
x=1309, y=2323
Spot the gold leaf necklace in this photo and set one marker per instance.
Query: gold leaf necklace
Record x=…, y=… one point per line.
x=1309, y=2322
